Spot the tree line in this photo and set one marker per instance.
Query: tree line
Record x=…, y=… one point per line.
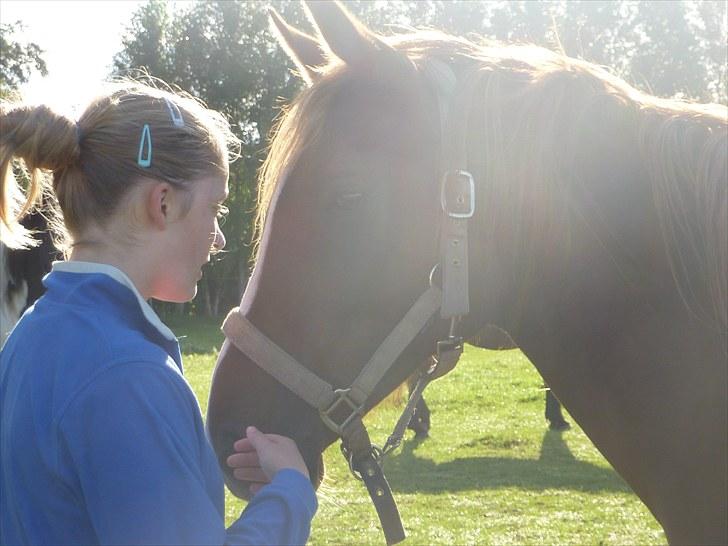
x=223, y=52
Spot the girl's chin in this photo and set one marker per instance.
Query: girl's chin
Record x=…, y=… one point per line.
x=179, y=293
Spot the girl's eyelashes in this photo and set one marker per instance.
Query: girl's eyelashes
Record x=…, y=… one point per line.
x=221, y=213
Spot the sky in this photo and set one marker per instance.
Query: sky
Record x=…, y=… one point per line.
x=80, y=39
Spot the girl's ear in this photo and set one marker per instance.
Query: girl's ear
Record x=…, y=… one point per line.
x=157, y=204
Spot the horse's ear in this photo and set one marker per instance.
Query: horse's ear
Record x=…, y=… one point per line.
x=346, y=37
x=303, y=50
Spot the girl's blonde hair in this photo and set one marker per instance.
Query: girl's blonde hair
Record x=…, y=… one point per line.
x=134, y=132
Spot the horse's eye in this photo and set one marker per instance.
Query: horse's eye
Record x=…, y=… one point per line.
x=348, y=200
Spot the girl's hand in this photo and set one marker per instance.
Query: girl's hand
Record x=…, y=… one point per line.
x=260, y=456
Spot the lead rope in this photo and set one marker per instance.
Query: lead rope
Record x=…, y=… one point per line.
x=447, y=356
x=364, y=461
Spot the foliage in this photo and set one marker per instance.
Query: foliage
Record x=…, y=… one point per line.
x=17, y=60
x=491, y=472
x=224, y=53
x=146, y=43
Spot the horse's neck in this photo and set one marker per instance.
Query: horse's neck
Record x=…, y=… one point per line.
x=595, y=307
x=634, y=367
x=600, y=318
x=640, y=380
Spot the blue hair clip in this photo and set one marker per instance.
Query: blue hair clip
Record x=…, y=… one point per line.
x=145, y=142
x=174, y=113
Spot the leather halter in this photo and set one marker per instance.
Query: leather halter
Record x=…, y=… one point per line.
x=342, y=410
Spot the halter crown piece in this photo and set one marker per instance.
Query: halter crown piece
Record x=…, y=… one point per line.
x=341, y=410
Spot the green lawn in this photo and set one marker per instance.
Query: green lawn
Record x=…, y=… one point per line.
x=491, y=472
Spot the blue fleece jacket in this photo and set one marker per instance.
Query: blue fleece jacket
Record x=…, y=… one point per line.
x=101, y=437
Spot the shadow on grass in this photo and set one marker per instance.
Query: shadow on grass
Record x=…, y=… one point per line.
x=556, y=468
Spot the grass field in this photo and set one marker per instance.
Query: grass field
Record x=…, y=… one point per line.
x=491, y=472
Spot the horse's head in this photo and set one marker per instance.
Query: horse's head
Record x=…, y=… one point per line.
x=350, y=213
x=348, y=219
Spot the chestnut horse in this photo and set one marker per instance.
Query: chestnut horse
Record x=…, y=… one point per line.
x=598, y=243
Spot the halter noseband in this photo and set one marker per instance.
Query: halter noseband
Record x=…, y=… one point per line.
x=341, y=410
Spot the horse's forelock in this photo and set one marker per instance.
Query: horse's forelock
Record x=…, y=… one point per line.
x=296, y=126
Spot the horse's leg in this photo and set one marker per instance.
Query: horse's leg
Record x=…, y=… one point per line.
x=553, y=413
x=420, y=421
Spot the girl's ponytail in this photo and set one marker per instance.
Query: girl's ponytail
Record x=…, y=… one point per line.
x=44, y=141
x=132, y=133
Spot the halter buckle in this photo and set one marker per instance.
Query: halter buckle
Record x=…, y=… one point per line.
x=458, y=194
x=448, y=353
x=355, y=410
x=452, y=343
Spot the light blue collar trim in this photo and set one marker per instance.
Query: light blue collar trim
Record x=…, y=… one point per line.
x=120, y=277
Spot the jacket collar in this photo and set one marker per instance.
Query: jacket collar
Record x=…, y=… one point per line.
x=120, y=277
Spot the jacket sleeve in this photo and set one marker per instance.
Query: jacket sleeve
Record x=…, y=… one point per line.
x=134, y=445
x=280, y=513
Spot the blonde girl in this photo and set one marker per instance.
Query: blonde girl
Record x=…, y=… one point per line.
x=101, y=437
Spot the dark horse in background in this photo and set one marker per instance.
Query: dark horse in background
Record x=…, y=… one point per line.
x=598, y=243
x=22, y=272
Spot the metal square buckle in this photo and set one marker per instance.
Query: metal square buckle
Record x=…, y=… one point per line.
x=449, y=345
x=448, y=353
x=458, y=194
x=356, y=410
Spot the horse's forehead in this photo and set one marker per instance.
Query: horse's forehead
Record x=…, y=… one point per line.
x=363, y=138
x=369, y=102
